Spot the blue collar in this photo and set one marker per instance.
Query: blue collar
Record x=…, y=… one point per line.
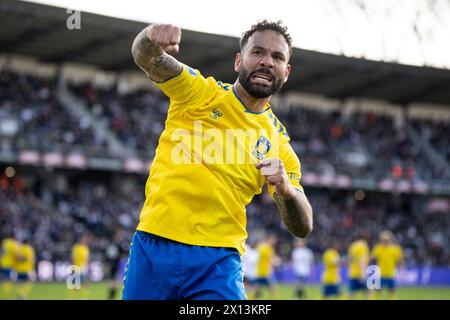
x=245, y=108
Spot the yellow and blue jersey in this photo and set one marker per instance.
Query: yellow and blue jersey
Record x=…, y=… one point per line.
x=358, y=254
x=387, y=258
x=8, y=258
x=203, y=174
x=330, y=261
x=25, y=259
x=265, y=256
x=80, y=255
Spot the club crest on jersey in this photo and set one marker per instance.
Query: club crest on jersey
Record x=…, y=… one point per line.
x=261, y=149
x=216, y=113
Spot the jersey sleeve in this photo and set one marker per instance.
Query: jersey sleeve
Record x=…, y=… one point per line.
x=30, y=254
x=188, y=88
x=292, y=166
x=325, y=259
x=351, y=253
x=10, y=248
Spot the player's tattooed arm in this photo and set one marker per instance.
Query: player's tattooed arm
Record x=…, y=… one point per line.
x=296, y=213
x=295, y=209
x=151, y=49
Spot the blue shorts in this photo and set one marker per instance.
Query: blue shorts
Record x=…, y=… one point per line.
x=23, y=277
x=162, y=269
x=262, y=281
x=356, y=285
x=330, y=290
x=6, y=275
x=387, y=283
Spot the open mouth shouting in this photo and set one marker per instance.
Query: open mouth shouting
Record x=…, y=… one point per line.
x=262, y=78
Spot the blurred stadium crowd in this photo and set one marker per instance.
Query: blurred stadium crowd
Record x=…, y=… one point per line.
x=54, y=207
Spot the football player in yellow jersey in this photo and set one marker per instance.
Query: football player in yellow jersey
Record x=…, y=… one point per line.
x=358, y=260
x=25, y=266
x=80, y=259
x=267, y=259
x=221, y=144
x=7, y=263
x=331, y=277
x=388, y=256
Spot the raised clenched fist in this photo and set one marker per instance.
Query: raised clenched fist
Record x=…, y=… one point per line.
x=167, y=36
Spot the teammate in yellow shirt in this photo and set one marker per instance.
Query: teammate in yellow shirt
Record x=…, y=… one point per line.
x=80, y=254
x=358, y=260
x=267, y=259
x=7, y=263
x=221, y=144
x=24, y=267
x=80, y=259
x=331, y=277
x=388, y=256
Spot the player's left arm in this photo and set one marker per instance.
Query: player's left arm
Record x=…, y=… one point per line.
x=295, y=209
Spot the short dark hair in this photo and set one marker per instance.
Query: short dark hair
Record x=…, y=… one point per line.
x=267, y=25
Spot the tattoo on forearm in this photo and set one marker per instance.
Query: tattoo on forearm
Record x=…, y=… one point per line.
x=152, y=59
x=164, y=67
x=294, y=215
x=144, y=49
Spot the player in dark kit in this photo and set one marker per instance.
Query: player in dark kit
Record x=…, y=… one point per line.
x=116, y=254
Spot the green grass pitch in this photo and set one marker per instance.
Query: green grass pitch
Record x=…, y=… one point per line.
x=99, y=291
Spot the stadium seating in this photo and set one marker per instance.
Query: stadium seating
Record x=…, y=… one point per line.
x=55, y=214
x=40, y=122
x=362, y=146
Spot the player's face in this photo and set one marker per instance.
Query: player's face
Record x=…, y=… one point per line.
x=385, y=240
x=263, y=64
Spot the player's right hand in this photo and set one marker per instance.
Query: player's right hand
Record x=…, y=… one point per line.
x=167, y=36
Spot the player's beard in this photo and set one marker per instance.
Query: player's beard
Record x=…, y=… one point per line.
x=259, y=91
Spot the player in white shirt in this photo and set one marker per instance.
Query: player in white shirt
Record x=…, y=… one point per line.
x=249, y=266
x=302, y=261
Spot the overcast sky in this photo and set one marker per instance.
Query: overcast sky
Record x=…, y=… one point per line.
x=407, y=31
